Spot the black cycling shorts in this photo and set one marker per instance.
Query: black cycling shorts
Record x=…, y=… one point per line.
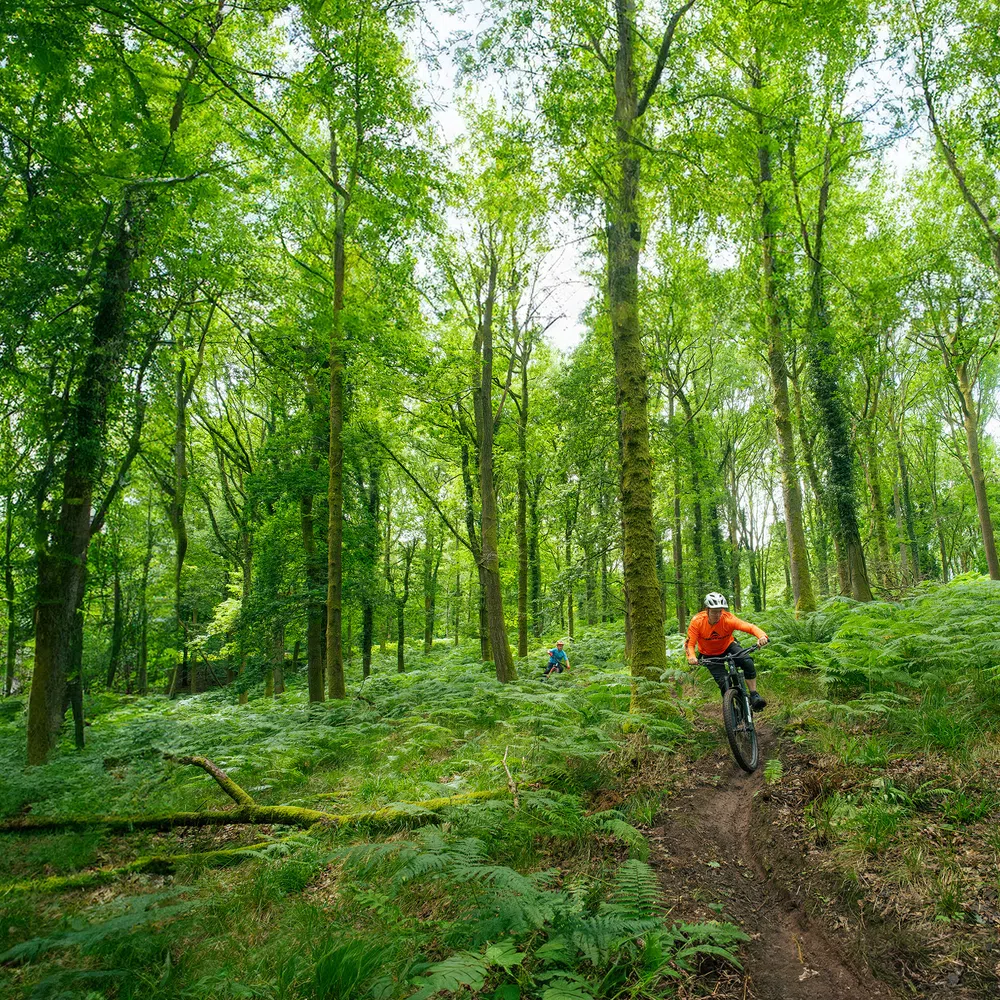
x=718, y=671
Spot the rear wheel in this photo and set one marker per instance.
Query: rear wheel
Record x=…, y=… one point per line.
x=739, y=730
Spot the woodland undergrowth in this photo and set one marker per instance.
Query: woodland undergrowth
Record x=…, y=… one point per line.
x=548, y=896
x=887, y=771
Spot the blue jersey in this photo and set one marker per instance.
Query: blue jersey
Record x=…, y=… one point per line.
x=557, y=657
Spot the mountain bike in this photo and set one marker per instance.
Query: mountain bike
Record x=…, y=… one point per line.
x=737, y=715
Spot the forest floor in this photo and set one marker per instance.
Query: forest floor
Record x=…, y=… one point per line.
x=744, y=848
x=863, y=858
x=716, y=856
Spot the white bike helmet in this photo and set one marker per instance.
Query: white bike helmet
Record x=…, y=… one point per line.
x=715, y=600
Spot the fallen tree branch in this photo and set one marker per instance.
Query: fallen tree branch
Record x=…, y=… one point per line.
x=226, y=783
x=386, y=816
x=284, y=815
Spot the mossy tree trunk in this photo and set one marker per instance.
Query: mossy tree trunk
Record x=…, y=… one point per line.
x=970, y=422
x=647, y=649
x=176, y=486
x=909, y=539
x=825, y=382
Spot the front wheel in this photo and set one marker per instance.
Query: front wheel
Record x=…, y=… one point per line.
x=739, y=730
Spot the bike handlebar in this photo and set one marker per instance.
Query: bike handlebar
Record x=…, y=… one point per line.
x=744, y=651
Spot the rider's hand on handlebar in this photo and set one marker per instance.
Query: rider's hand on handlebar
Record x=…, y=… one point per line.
x=692, y=659
x=763, y=640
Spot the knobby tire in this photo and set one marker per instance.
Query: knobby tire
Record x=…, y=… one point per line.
x=733, y=712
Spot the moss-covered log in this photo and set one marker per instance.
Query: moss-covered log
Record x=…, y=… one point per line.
x=153, y=864
x=401, y=814
x=234, y=791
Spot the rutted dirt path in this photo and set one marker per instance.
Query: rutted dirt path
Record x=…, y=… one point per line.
x=710, y=852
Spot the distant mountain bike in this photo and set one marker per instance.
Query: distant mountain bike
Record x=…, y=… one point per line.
x=737, y=715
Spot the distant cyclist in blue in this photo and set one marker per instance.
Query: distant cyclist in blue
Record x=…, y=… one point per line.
x=558, y=660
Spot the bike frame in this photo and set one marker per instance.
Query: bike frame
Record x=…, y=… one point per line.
x=735, y=678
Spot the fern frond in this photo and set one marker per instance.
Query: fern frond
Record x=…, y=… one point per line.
x=636, y=890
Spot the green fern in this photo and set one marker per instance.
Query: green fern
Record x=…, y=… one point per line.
x=635, y=890
x=773, y=770
x=466, y=969
x=611, y=821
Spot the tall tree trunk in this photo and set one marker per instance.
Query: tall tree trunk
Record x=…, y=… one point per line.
x=534, y=559
x=400, y=635
x=117, y=624
x=432, y=563
x=698, y=528
x=371, y=555
x=476, y=549
x=606, y=613
x=755, y=588
x=821, y=532
x=247, y=566
x=938, y=528
x=648, y=657
x=798, y=564
x=908, y=518
x=335, y=490
x=680, y=603
x=408, y=553
x=824, y=364
x=62, y=560
x=458, y=592
x=718, y=550
x=970, y=420
x=522, y=511
x=590, y=581
x=904, y=560
x=874, y=482
x=568, y=539
x=10, y=595
x=734, y=545
x=661, y=575
x=489, y=537
x=314, y=606
x=278, y=658
x=175, y=509
x=74, y=689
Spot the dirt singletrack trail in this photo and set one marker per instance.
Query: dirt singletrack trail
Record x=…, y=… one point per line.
x=711, y=853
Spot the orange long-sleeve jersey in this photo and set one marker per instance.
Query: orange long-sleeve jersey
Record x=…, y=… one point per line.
x=713, y=640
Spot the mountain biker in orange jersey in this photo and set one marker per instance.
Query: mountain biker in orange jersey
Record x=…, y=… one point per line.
x=711, y=634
